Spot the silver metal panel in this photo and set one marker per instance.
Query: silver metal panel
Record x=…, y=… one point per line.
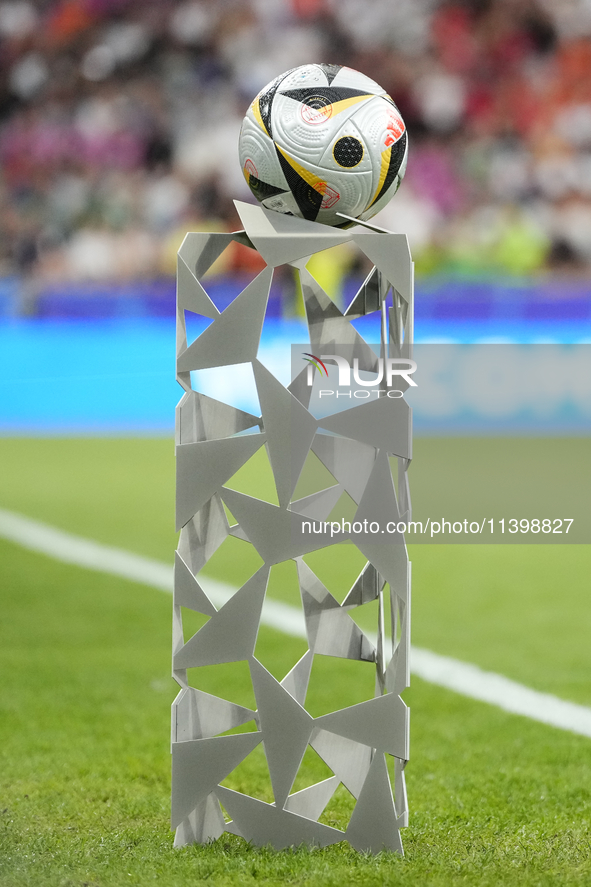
x=286, y=727
x=296, y=681
x=187, y=591
x=366, y=588
x=330, y=629
x=367, y=298
x=349, y=760
x=289, y=427
x=192, y=296
x=354, y=447
x=282, y=238
x=200, y=250
x=205, y=823
x=300, y=388
x=199, y=715
x=263, y=824
x=203, y=534
x=318, y=505
x=383, y=423
x=373, y=826
x=199, y=764
x=311, y=801
x=327, y=325
x=276, y=533
x=202, y=418
x=400, y=796
x=349, y=461
x=381, y=723
x=390, y=253
x=231, y=634
x=234, y=337
x=201, y=469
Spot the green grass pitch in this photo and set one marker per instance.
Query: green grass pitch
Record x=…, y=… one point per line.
x=85, y=692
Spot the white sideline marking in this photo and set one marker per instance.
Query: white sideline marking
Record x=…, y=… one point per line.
x=461, y=677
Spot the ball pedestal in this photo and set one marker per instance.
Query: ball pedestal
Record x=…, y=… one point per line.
x=366, y=449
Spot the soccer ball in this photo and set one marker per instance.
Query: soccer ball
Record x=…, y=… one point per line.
x=321, y=140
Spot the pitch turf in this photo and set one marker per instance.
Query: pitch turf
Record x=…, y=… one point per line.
x=85, y=693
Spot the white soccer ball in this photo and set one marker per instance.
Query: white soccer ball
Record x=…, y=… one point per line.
x=321, y=140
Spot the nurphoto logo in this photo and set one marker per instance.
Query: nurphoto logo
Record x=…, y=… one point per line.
x=388, y=369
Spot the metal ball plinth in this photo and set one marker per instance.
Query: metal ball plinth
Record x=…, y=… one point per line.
x=365, y=745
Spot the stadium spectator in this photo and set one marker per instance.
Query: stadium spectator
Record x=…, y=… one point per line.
x=119, y=122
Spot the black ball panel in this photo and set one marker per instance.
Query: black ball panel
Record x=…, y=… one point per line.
x=348, y=152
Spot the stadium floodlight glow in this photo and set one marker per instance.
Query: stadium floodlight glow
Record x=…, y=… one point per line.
x=365, y=746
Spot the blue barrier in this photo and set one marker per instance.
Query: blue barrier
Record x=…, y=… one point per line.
x=117, y=377
x=440, y=301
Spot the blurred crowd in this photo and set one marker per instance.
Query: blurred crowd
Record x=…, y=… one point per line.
x=119, y=122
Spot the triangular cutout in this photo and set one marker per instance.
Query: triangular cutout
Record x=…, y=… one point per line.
x=229, y=680
x=314, y=477
x=233, y=563
x=199, y=250
x=366, y=616
x=337, y=812
x=195, y=324
x=296, y=681
x=330, y=267
x=337, y=569
x=231, y=519
x=201, y=469
x=248, y=727
x=338, y=683
x=251, y=776
x=187, y=590
x=349, y=760
x=279, y=654
x=349, y=461
x=344, y=509
x=369, y=326
x=232, y=385
x=190, y=294
x=255, y=478
x=313, y=770
x=276, y=652
x=284, y=585
x=192, y=622
x=223, y=289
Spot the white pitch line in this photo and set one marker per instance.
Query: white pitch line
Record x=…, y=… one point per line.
x=461, y=677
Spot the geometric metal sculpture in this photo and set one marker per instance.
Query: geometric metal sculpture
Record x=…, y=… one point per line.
x=360, y=447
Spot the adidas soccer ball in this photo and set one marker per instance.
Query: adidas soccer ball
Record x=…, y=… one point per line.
x=321, y=140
